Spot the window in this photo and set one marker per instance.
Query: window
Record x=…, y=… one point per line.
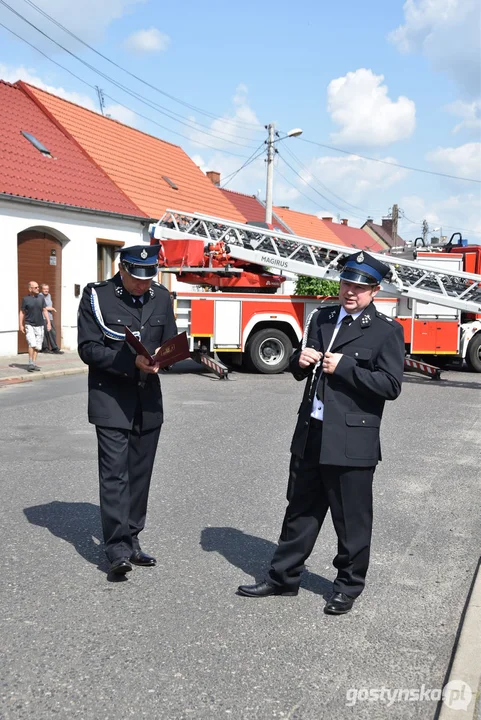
x=36, y=143
x=106, y=260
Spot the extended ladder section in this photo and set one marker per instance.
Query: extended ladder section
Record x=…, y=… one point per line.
x=304, y=256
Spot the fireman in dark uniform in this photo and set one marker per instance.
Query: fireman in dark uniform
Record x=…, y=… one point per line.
x=353, y=359
x=125, y=399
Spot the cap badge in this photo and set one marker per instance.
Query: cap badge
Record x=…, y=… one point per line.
x=143, y=254
x=360, y=258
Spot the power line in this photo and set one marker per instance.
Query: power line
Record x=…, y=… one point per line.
x=388, y=162
x=294, y=157
x=136, y=77
x=247, y=162
x=137, y=96
x=326, y=199
x=126, y=107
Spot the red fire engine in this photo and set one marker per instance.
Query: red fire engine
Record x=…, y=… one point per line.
x=435, y=295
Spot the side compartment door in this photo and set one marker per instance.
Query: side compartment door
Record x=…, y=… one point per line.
x=227, y=324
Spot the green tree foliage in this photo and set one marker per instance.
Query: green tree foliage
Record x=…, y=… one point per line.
x=316, y=286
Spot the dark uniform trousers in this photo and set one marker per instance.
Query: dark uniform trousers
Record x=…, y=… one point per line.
x=125, y=405
x=311, y=491
x=333, y=462
x=126, y=460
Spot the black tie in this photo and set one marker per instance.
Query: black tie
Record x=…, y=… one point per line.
x=345, y=322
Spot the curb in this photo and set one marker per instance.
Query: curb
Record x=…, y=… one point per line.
x=32, y=377
x=466, y=667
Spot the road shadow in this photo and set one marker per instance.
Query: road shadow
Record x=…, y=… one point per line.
x=253, y=554
x=444, y=382
x=19, y=366
x=78, y=523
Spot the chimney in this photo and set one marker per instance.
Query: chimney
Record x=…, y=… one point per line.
x=387, y=225
x=344, y=221
x=283, y=207
x=327, y=219
x=214, y=177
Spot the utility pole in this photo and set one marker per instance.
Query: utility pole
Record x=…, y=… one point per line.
x=100, y=94
x=271, y=129
x=394, y=217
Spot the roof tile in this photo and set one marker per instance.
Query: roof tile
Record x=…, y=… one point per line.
x=68, y=177
x=137, y=162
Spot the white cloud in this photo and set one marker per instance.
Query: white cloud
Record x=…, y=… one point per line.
x=147, y=41
x=87, y=19
x=448, y=33
x=360, y=105
x=470, y=114
x=463, y=161
x=233, y=127
x=122, y=114
x=354, y=178
x=453, y=213
x=29, y=75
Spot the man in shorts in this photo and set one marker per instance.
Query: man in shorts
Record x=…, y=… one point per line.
x=33, y=316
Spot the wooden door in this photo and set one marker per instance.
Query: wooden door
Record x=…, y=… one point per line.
x=40, y=259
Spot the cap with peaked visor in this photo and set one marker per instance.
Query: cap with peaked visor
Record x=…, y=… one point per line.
x=141, y=261
x=363, y=269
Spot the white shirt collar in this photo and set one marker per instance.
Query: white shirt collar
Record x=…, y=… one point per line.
x=343, y=314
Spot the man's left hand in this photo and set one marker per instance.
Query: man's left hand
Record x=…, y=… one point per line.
x=330, y=361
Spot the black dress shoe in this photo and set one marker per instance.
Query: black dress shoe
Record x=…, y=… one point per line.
x=120, y=567
x=263, y=589
x=140, y=558
x=57, y=351
x=338, y=604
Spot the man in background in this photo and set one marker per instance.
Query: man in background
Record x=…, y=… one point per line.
x=50, y=336
x=32, y=319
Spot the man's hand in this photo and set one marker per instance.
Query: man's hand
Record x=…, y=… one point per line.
x=49, y=327
x=144, y=365
x=330, y=361
x=22, y=330
x=309, y=356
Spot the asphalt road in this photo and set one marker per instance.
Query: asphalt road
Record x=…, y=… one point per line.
x=175, y=642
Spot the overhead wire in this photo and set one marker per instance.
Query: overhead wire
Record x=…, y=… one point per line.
x=150, y=103
x=126, y=107
x=388, y=162
x=138, y=78
x=321, y=184
x=311, y=187
x=249, y=160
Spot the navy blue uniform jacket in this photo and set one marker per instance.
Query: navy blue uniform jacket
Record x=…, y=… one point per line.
x=117, y=389
x=369, y=373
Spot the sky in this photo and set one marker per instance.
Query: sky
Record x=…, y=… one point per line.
x=397, y=82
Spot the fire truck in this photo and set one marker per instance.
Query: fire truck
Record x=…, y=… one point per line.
x=238, y=320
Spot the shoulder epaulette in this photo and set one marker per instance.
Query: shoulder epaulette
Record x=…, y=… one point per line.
x=97, y=284
x=160, y=286
x=386, y=318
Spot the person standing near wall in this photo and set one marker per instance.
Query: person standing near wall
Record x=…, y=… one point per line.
x=50, y=336
x=33, y=317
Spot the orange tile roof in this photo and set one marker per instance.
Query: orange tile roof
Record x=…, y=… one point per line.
x=137, y=162
x=307, y=225
x=354, y=237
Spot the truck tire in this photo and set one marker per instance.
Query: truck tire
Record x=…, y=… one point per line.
x=473, y=355
x=268, y=351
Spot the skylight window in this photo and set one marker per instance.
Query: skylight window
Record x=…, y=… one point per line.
x=169, y=182
x=36, y=143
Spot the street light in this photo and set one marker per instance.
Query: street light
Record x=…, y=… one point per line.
x=271, y=139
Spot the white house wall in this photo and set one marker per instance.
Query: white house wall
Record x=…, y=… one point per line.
x=78, y=233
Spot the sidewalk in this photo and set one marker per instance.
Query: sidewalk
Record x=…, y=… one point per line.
x=14, y=369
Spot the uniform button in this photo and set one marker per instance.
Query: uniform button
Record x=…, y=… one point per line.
x=363, y=422
x=142, y=327
x=356, y=354
x=306, y=422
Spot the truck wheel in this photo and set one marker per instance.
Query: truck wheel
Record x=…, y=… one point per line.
x=269, y=351
x=473, y=356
